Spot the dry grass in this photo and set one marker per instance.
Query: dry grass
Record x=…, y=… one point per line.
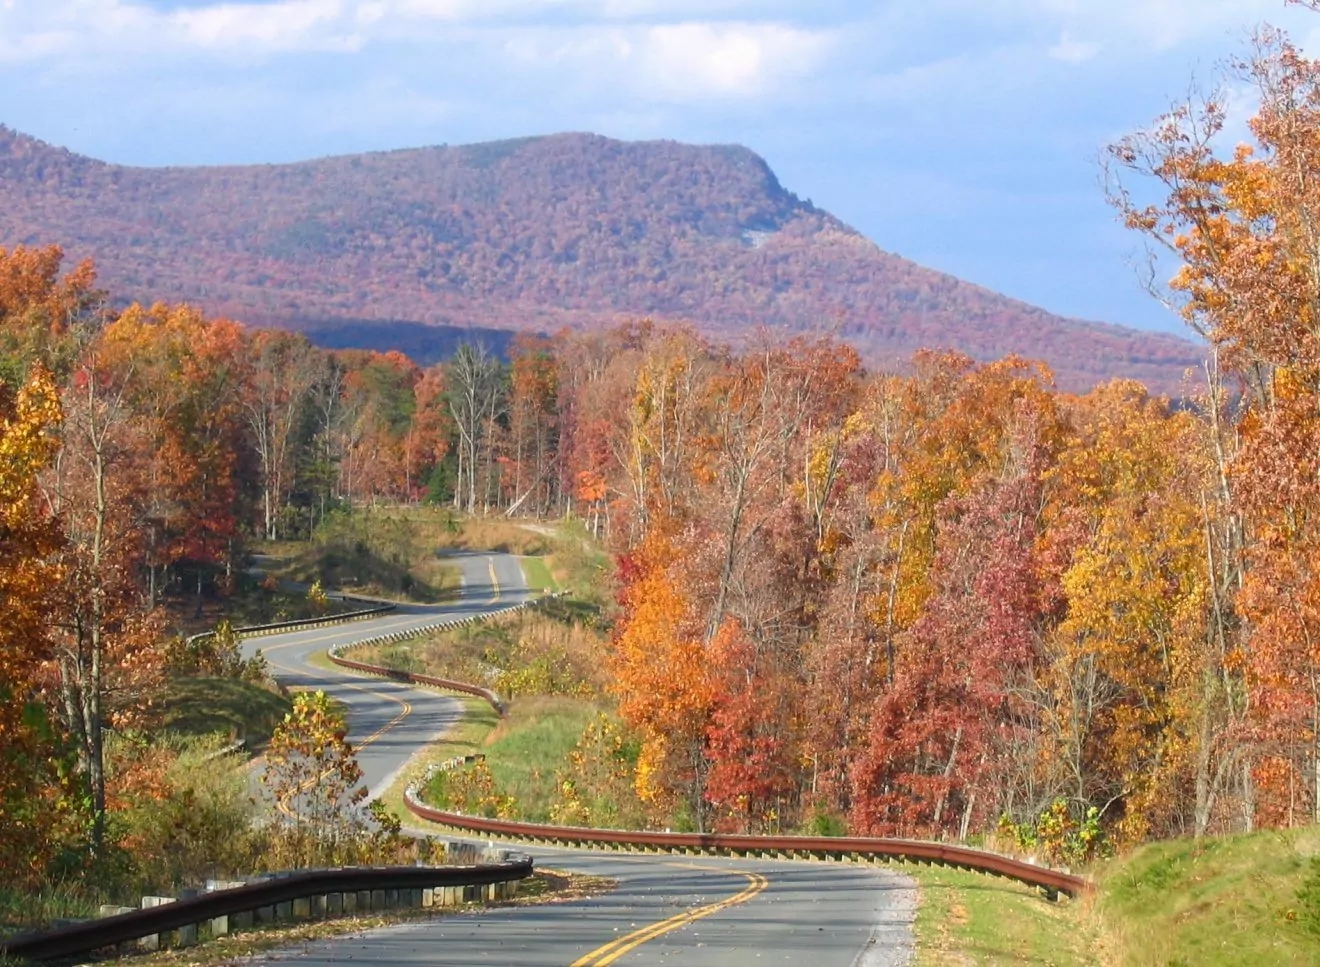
x=544, y=650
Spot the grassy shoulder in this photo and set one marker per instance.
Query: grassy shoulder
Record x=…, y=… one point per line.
x=465, y=738
x=1230, y=901
x=970, y=918
x=524, y=751
x=536, y=572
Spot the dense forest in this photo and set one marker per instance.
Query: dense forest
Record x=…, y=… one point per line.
x=533, y=234
x=936, y=603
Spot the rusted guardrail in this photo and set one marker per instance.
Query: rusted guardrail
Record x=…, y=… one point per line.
x=835, y=847
x=82, y=938
x=414, y=679
x=335, y=654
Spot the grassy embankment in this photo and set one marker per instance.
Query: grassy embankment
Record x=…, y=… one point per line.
x=392, y=553
x=1233, y=901
x=543, y=664
x=232, y=708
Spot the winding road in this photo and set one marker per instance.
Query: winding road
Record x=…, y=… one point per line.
x=665, y=910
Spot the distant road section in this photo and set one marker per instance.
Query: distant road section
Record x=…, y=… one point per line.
x=389, y=721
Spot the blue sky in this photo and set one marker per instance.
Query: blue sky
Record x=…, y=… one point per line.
x=963, y=134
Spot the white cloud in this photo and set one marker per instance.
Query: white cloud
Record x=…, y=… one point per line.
x=266, y=27
x=741, y=60
x=1072, y=51
x=1147, y=25
x=677, y=62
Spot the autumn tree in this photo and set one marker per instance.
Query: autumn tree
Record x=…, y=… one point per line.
x=38, y=307
x=951, y=741
x=107, y=653
x=185, y=377
x=30, y=571
x=476, y=402
x=1243, y=228
x=664, y=680
x=313, y=774
x=533, y=423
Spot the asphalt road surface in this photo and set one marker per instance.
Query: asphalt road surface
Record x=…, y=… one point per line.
x=389, y=721
x=666, y=910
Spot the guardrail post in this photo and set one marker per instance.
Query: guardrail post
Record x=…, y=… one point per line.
x=284, y=911
x=334, y=904
x=377, y=900
x=152, y=941
x=302, y=908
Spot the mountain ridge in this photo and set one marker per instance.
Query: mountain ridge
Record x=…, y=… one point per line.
x=533, y=233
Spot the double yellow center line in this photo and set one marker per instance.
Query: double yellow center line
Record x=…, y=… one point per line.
x=612, y=951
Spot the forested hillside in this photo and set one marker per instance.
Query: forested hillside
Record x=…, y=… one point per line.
x=532, y=234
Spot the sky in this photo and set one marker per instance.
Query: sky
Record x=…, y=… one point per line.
x=962, y=134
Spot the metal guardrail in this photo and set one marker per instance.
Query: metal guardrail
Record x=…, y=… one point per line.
x=414, y=679
x=81, y=938
x=944, y=854
x=336, y=657
x=277, y=626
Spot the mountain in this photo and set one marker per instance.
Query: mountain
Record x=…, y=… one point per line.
x=533, y=233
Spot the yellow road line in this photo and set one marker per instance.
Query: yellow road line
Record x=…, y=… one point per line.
x=615, y=949
x=494, y=581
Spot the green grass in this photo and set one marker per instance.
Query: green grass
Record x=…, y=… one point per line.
x=971, y=918
x=1222, y=901
x=525, y=750
x=389, y=552
x=1230, y=901
x=537, y=574
x=235, y=709
x=465, y=738
x=531, y=745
